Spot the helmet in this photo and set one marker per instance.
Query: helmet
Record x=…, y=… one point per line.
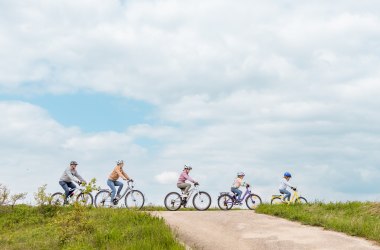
x=119, y=162
x=188, y=167
x=287, y=174
x=240, y=174
x=73, y=163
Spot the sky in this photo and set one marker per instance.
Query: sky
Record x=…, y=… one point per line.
x=262, y=87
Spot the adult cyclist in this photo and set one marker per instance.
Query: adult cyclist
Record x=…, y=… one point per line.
x=112, y=181
x=69, y=176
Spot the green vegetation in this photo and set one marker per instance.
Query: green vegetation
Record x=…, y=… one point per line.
x=77, y=227
x=353, y=218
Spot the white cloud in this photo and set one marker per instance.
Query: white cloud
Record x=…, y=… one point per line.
x=167, y=177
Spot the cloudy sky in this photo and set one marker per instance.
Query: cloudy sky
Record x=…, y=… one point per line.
x=256, y=86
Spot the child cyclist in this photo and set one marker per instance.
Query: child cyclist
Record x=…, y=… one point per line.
x=284, y=184
x=238, y=183
x=181, y=183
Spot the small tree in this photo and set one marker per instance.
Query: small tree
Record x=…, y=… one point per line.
x=6, y=198
x=41, y=197
x=17, y=197
x=4, y=195
x=91, y=186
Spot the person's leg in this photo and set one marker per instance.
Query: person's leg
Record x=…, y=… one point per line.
x=111, y=184
x=286, y=194
x=65, y=187
x=239, y=193
x=120, y=184
x=184, y=186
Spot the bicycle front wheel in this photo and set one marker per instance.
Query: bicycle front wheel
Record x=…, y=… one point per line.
x=57, y=199
x=85, y=199
x=301, y=200
x=103, y=199
x=253, y=201
x=202, y=201
x=225, y=202
x=134, y=200
x=172, y=201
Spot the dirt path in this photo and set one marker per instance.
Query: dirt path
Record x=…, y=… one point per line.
x=248, y=230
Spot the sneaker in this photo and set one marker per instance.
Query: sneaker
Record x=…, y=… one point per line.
x=118, y=196
x=65, y=202
x=114, y=201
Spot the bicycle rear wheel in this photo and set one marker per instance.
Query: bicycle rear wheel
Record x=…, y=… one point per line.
x=202, y=201
x=253, y=201
x=57, y=199
x=301, y=200
x=225, y=202
x=134, y=200
x=85, y=199
x=103, y=199
x=276, y=201
x=172, y=201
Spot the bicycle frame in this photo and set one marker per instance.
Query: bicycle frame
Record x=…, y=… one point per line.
x=127, y=189
x=292, y=199
x=246, y=194
x=192, y=190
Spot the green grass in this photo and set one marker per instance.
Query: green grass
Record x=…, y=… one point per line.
x=353, y=218
x=75, y=227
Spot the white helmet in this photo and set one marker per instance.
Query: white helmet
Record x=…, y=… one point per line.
x=119, y=162
x=188, y=167
x=240, y=174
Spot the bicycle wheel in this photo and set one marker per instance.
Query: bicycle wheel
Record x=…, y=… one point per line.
x=253, y=201
x=225, y=202
x=202, y=201
x=134, y=200
x=85, y=199
x=103, y=199
x=301, y=200
x=172, y=201
x=57, y=199
x=276, y=201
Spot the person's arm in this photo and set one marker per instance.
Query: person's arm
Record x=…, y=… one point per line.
x=78, y=176
x=119, y=172
x=187, y=177
x=287, y=184
x=125, y=174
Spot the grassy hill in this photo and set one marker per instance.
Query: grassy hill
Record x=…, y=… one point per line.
x=76, y=227
x=353, y=218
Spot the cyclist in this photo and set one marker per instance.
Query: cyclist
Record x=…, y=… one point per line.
x=284, y=184
x=238, y=182
x=112, y=181
x=181, y=183
x=69, y=176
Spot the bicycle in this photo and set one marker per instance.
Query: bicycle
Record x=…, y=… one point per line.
x=295, y=199
x=201, y=199
x=227, y=200
x=134, y=199
x=76, y=195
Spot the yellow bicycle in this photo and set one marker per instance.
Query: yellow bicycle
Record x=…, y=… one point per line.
x=294, y=199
